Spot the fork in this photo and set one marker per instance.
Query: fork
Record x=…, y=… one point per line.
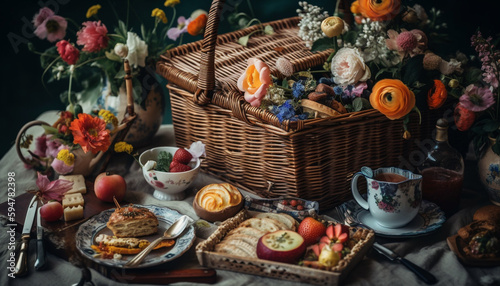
x=345, y=215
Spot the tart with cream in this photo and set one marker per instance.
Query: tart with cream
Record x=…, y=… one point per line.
x=217, y=202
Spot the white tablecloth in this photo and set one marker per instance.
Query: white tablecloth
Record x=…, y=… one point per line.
x=431, y=252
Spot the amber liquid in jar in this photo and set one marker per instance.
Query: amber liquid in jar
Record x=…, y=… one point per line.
x=443, y=187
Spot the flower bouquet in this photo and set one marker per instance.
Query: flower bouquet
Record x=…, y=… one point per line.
x=380, y=61
x=92, y=58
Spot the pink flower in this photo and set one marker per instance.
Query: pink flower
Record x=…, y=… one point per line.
x=54, y=190
x=477, y=98
x=359, y=89
x=50, y=26
x=93, y=36
x=41, y=16
x=53, y=147
x=41, y=145
x=255, y=81
x=348, y=67
x=68, y=52
x=410, y=43
x=174, y=33
x=61, y=168
x=406, y=41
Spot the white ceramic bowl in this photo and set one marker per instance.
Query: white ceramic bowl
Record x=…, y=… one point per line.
x=168, y=186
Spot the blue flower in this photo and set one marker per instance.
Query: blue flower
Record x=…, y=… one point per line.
x=286, y=111
x=338, y=90
x=298, y=89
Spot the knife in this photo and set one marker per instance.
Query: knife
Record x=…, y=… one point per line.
x=22, y=260
x=40, y=250
x=423, y=274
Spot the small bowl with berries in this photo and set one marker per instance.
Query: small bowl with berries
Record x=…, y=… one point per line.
x=170, y=170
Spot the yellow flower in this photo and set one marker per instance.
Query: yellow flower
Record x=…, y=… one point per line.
x=122, y=146
x=407, y=135
x=171, y=3
x=93, y=10
x=108, y=117
x=453, y=83
x=332, y=26
x=159, y=14
x=67, y=157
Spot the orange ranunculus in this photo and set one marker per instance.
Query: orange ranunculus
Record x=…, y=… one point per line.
x=197, y=26
x=379, y=10
x=393, y=98
x=437, y=95
x=355, y=7
x=255, y=81
x=90, y=133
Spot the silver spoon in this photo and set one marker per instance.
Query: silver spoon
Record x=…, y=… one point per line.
x=172, y=232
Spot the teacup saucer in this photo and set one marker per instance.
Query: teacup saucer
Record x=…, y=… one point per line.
x=430, y=217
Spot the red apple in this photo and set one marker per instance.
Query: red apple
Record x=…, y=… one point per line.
x=282, y=246
x=107, y=185
x=51, y=211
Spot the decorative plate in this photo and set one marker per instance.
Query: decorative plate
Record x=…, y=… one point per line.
x=88, y=231
x=429, y=218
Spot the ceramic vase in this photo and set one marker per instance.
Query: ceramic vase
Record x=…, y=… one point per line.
x=149, y=112
x=489, y=173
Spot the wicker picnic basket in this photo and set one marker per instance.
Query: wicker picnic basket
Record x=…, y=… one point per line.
x=312, y=159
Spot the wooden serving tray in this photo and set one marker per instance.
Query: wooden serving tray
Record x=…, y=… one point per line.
x=457, y=244
x=208, y=258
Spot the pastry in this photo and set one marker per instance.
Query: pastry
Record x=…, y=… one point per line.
x=481, y=236
x=217, y=202
x=132, y=222
x=489, y=212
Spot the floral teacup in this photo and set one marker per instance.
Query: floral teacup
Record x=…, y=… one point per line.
x=394, y=195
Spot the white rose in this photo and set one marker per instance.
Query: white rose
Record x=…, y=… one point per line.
x=348, y=67
x=137, y=50
x=121, y=50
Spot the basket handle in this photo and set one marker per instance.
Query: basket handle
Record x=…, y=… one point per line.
x=20, y=135
x=206, y=76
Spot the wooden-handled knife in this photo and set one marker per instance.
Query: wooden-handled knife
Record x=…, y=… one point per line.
x=22, y=259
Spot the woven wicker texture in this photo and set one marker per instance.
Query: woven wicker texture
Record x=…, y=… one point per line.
x=312, y=159
x=207, y=257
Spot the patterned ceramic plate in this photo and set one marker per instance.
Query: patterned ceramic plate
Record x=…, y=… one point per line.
x=88, y=231
x=429, y=218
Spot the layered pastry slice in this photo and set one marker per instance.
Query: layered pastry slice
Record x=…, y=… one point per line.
x=132, y=221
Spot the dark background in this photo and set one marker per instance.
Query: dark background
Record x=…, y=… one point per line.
x=24, y=98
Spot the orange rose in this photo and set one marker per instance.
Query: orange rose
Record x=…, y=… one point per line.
x=437, y=95
x=392, y=98
x=255, y=81
x=379, y=10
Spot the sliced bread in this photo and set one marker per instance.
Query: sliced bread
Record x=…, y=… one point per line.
x=287, y=220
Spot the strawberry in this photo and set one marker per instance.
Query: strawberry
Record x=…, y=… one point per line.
x=174, y=163
x=182, y=156
x=311, y=230
x=180, y=168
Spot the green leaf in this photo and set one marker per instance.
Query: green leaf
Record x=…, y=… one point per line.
x=496, y=146
x=491, y=126
x=350, y=37
x=164, y=160
x=49, y=129
x=112, y=56
x=268, y=30
x=412, y=70
x=472, y=75
x=322, y=44
x=284, y=83
x=360, y=103
x=244, y=40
